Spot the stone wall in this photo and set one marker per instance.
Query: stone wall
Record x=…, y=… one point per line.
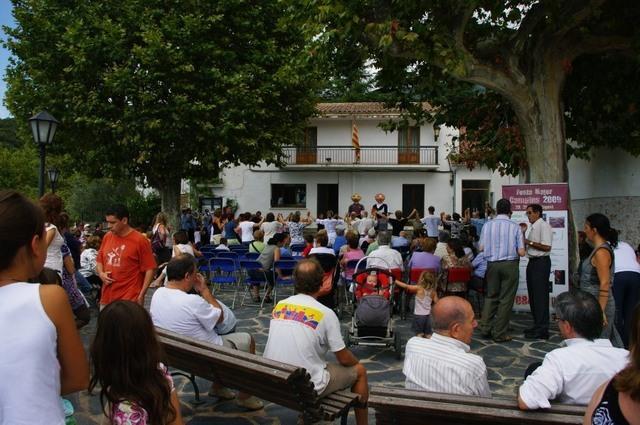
x=623, y=211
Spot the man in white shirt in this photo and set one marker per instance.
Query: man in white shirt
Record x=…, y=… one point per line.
x=384, y=256
x=301, y=333
x=572, y=374
x=441, y=246
x=197, y=316
x=537, y=241
x=431, y=223
x=443, y=363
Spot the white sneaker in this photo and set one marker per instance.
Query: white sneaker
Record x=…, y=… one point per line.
x=223, y=393
x=251, y=403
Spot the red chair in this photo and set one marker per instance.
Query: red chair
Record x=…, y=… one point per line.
x=414, y=274
x=456, y=275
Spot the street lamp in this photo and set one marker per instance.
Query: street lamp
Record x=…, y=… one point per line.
x=43, y=127
x=54, y=173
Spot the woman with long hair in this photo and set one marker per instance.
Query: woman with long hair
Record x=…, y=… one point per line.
x=159, y=238
x=52, y=206
x=135, y=387
x=42, y=354
x=597, y=271
x=456, y=258
x=617, y=401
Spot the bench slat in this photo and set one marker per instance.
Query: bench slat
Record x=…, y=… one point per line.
x=454, y=413
x=496, y=402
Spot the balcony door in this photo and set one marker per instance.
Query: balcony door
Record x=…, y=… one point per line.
x=306, y=153
x=409, y=145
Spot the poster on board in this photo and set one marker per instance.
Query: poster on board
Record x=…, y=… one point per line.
x=554, y=200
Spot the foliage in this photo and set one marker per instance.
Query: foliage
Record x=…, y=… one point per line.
x=520, y=52
x=162, y=89
x=86, y=199
x=8, y=133
x=19, y=169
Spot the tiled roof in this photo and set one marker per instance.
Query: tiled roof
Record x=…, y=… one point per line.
x=360, y=108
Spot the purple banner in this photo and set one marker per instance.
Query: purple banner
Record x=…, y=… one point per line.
x=552, y=196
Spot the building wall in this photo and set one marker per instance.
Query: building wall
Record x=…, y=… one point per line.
x=608, y=184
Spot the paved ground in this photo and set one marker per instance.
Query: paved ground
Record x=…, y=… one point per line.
x=506, y=363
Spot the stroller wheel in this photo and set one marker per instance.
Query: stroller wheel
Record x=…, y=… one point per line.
x=397, y=345
x=347, y=338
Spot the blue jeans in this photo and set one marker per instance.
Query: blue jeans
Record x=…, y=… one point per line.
x=83, y=283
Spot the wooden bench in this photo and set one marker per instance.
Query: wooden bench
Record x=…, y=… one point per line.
x=283, y=384
x=399, y=406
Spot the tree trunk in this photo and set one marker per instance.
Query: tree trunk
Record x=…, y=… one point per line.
x=170, y=200
x=542, y=125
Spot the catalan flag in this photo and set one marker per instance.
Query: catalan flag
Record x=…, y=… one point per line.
x=355, y=139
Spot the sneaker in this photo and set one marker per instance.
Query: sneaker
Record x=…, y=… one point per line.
x=251, y=403
x=223, y=393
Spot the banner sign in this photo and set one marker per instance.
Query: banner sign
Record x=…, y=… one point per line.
x=554, y=198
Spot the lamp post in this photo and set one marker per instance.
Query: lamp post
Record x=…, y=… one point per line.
x=453, y=167
x=54, y=173
x=43, y=127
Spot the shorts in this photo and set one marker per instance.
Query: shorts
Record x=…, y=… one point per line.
x=422, y=324
x=340, y=377
x=240, y=341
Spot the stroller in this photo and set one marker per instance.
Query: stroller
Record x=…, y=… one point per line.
x=371, y=322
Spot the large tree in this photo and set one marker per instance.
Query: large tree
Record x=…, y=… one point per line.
x=161, y=89
x=518, y=52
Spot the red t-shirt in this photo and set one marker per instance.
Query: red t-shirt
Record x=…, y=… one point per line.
x=127, y=258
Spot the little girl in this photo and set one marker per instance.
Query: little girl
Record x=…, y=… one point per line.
x=136, y=388
x=426, y=294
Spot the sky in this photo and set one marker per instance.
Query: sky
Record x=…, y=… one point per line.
x=5, y=19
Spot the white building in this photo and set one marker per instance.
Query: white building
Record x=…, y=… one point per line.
x=409, y=166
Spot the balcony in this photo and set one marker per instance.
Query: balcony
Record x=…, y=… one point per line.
x=365, y=157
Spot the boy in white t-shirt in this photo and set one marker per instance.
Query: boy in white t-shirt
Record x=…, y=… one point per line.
x=301, y=333
x=246, y=227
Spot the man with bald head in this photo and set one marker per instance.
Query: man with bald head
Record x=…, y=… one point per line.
x=443, y=363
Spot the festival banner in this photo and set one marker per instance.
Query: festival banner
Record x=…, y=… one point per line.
x=554, y=198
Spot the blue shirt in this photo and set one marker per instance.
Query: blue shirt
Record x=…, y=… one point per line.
x=501, y=238
x=478, y=223
x=339, y=243
x=431, y=222
x=479, y=265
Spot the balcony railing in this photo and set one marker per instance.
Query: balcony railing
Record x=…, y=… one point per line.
x=365, y=155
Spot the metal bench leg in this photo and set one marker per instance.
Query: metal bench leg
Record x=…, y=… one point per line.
x=191, y=377
x=344, y=418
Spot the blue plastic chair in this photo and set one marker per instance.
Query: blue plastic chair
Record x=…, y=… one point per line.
x=282, y=276
x=252, y=275
x=250, y=256
x=224, y=273
x=297, y=248
x=229, y=254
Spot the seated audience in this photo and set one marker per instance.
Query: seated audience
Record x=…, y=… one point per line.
x=135, y=388
x=457, y=259
x=301, y=333
x=617, y=401
x=443, y=362
x=340, y=240
x=257, y=245
x=223, y=245
x=308, y=244
x=400, y=241
x=384, y=256
x=196, y=316
x=572, y=374
x=425, y=259
x=322, y=244
x=441, y=247
x=368, y=243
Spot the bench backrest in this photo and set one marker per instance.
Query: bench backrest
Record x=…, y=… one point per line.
x=400, y=406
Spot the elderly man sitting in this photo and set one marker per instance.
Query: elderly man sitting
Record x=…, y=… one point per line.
x=384, y=256
x=572, y=374
x=197, y=316
x=443, y=363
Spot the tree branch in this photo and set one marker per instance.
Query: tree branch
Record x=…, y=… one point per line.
x=531, y=20
x=596, y=44
x=461, y=21
x=578, y=17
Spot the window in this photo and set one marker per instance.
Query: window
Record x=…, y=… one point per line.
x=475, y=193
x=288, y=196
x=307, y=150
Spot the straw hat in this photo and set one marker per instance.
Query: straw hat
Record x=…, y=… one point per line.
x=356, y=197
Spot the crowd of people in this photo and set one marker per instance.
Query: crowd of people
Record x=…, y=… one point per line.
x=51, y=273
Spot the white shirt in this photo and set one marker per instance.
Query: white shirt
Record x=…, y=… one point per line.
x=322, y=250
x=301, y=333
x=441, y=250
x=571, y=374
x=54, y=259
x=385, y=257
x=186, y=314
x=444, y=365
x=88, y=262
x=364, y=225
x=542, y=233
x=270, y=228
x=29, y=367
x=183, y=248
x=625, y=258
x=246, y=230
x=431, y=222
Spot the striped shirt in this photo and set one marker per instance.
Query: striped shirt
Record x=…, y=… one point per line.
x=501, y=239
x=444, y=365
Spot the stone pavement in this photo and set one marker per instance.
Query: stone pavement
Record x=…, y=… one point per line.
x=506, y=364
